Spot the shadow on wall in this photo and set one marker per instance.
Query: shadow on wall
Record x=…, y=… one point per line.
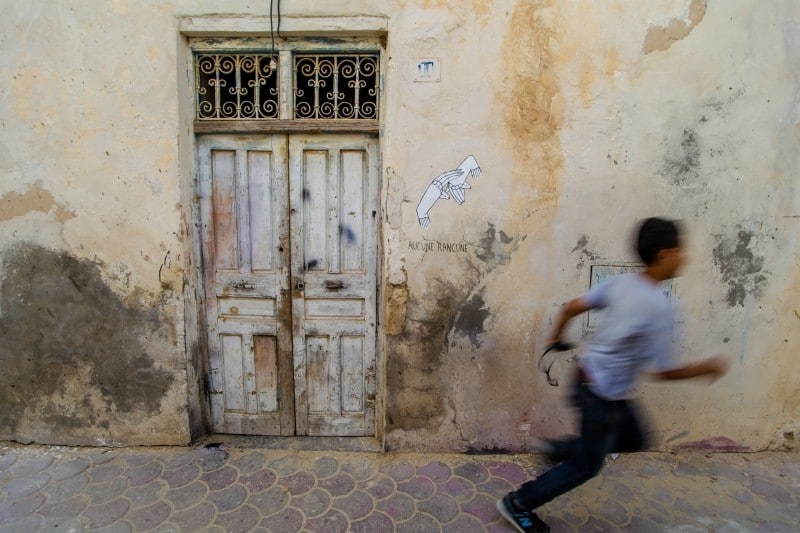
x=73, y=355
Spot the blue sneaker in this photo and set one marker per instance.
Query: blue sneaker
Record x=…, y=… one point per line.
x=523, y=521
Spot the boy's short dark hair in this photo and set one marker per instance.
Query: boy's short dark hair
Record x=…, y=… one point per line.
x=656, y=234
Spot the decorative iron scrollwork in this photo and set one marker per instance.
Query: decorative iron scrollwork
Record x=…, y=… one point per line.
x=336, y=86
x=236, y=86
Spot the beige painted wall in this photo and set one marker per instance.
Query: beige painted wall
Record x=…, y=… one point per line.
x=584, y=117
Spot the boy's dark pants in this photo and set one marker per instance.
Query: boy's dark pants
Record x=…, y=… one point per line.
x=606, y=427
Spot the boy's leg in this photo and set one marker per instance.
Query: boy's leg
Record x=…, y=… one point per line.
x=632, y=437
x=598, y=436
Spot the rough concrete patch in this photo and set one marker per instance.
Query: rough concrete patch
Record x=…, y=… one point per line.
x=73, y=348
x=741, y=269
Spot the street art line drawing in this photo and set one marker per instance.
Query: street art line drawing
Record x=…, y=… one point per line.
x=450, y=183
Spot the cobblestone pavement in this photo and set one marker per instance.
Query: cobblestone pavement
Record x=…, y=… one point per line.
x=167, y=489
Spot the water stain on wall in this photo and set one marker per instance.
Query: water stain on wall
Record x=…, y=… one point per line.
x=449, y=308
x=682, y=162
x=73, y=349
x=740, y=267
x=531, y=100
x=660, y=38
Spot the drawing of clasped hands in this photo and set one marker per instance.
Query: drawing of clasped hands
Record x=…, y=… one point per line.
x=450, y=183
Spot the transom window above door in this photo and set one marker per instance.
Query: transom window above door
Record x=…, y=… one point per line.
x=333, y=89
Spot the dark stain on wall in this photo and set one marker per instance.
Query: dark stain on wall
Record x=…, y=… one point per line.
x=741, y=269
x=682, y=163
x=416, y=391
x=585, y=253
x=470, y=319
x=72, y=352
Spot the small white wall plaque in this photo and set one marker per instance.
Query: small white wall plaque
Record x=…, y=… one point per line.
x=428, y=69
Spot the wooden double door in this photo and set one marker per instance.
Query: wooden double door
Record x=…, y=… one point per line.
x=289, y=253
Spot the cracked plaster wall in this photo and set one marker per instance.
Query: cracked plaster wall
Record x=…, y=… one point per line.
x=583, y=117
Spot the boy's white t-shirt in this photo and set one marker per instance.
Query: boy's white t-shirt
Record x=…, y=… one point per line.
x=636, y=332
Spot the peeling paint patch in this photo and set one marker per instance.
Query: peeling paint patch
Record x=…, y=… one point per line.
x=74, y=349
x=585, y=254
x=741, y=269
x=36, y=198
x=660, y=38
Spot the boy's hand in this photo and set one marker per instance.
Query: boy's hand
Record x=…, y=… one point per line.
x=717, y=366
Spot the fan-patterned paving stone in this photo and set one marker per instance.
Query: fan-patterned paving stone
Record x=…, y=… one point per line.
x=102, y=457
x=324, y=467
x=259, y=481
x=298, y=483
x=147, y=494
x=228, y=498
x=333, y=521
x=285, y=466
x=107, y=513
x=419, y=523
x=185, y=497
x=149, y=517
x=436, y=471
x=495, y=486
x=617, y=490
x=511, y=472
x=770, y=491
x=219, y=479
x=106, y=473
x=120, y=527
x=249, y=463
x=482, y=507
x=464, y=524
x=6, y=460
x=65, y=470
x=134, y=460
x=613, y=512
x=19, y=487
x=179, y=461
x=17, y=509
x=211, y=460
x=418, y=487
x=182, y=475
x=28, y=466
x=459, y=488
x=338, y=485
x=29, y=523
x=442, y=506
x=375, y=522
x=399, y=471
x=357, y=504
x=195, y=518
x=361, y=470
x=272, y=501
x=312, y=503
x=399, y=506
x=595, y=523
x=379, y=487
x=58, y=513
x=242, y=520
x=100, y=493
x=287, y=520
x=66, y=489
x=473, y=472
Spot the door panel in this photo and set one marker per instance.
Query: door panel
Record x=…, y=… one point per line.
x=243, y=201
x=289, y=261
x=333, y=194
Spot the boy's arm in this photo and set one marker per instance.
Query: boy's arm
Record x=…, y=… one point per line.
x=714, y=367
x=568, y=311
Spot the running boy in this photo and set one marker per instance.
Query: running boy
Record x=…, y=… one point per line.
x=635, y=335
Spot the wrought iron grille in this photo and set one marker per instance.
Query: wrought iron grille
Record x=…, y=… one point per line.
x=236, y=86
x=336, y=86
